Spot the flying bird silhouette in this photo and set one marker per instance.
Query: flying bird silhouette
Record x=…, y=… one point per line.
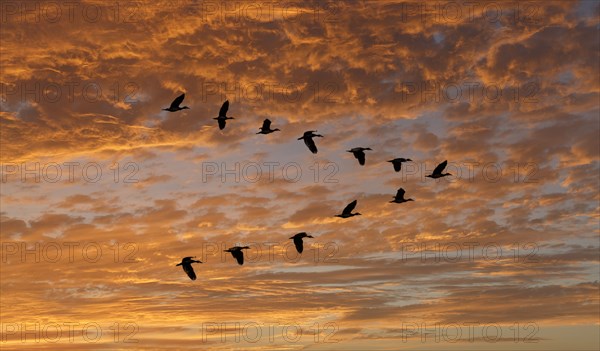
x=347, y=212
x=175, y=104
x=266, y=127
x=237, y=253
x=298, y=241
x=310, y=143
x=222, y=118
x=359, y=153
x=397, y=162
x=186, y=263
x=399, y=198
x=437, y=172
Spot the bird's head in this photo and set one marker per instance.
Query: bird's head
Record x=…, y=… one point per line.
x=429, y=176
x=390, y=161
x=368, y=148
x=185, y=108
x=358, y=214
x=446, y=174
x=408, y=159
x=410, y=200
x=276, y=130
x=310, y=236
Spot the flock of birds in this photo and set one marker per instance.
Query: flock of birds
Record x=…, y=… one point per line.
x=358, y=152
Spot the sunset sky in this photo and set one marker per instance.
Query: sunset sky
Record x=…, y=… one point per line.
x=103, y=192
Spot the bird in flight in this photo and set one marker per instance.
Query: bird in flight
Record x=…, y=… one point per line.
x=266, y=127
x=222, y=118
x=298, y=241
x=186, y=263
x=359, y=153
x=237, y=253
x=308, y=135
x=347, y=212
x=437, y=172
x=399, y=198
x=175, y=104
x=397, y=162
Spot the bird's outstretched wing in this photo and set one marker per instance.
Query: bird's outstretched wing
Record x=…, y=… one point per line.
x=187, y=267
x=311, y=145
x=400, y=194
x=222, y=123
x=238, y=255
x=178, y=100
x=397, y=165
x=348, y=209
x=224, y=108
x=440, y=168
x=360, y=156
x=299, y=244
x=266, y=124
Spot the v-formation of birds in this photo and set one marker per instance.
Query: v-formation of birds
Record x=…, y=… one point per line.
x=358, y=152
